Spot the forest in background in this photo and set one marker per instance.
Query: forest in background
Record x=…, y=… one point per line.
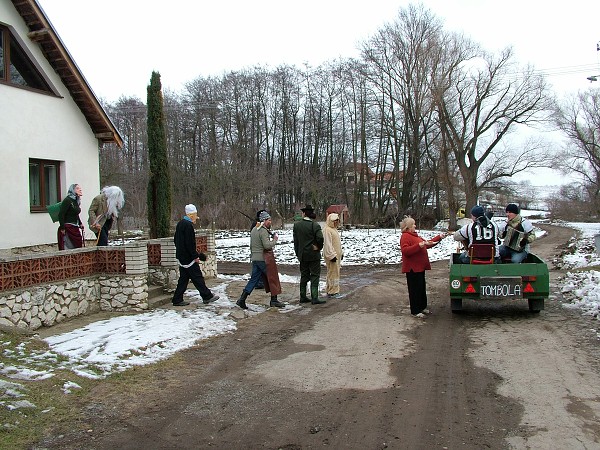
x=424, y=123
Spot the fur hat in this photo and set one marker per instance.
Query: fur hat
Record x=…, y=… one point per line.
x=308, y=207
x=263, y=216
x=513, y=208
x=190, y=209
x=334, y=216
x=477, y=211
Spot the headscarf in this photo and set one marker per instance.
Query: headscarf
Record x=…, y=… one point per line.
x=72, y=194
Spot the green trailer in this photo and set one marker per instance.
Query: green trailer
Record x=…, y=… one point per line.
x=528, y=280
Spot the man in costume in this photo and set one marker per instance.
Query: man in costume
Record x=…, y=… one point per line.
x=104, y=210
x=264, y=267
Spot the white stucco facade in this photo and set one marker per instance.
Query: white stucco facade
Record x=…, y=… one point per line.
x=40, y=126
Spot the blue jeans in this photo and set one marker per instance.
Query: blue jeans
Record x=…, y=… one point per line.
x=515, y=256
x=259, y=269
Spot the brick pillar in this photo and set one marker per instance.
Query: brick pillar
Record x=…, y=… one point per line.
x=136, y=258
x=167, y=252
x=210, y=241
x=169, y=264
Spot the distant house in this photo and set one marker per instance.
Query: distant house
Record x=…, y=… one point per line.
x=342, y=211
x=52, y=126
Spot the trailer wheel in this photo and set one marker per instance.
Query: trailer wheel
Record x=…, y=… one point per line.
x=456, y=304
x=535, y=304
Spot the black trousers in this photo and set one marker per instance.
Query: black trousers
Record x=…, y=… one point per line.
x=417, y=295
x=185, y=275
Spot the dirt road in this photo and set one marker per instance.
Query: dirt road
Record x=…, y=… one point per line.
x=361, y=373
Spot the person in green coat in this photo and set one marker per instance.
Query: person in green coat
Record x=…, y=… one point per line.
x=308, y=242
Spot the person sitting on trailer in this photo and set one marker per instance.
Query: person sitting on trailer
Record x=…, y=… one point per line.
x=517, y=234
x=481, y=231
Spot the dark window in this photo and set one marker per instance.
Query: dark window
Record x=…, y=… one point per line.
x=15, y=66
x=44, y=184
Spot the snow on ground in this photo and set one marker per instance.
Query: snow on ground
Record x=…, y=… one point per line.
x=113, y=345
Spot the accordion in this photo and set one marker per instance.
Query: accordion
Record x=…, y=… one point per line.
x=513, y=239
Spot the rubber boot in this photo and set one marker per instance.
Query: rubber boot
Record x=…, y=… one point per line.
x=314, y=294
x=242, y=300
x=303, y=297
x=276, y=303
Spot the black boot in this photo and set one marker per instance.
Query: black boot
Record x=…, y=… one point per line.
x=317, y=301
x=276, y=303
x=242, y=300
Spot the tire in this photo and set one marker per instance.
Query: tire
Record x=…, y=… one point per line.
x=456, y=304
x=535, y=304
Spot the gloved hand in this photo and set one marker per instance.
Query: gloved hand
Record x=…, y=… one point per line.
x=201, y=256
x=334, y=259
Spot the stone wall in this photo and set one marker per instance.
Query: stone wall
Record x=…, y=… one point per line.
x=47, y=305
x=51, y=302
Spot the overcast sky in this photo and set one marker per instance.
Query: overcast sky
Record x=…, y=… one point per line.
x=117, y=43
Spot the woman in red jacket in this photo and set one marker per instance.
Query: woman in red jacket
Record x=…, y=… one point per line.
x=415, y=262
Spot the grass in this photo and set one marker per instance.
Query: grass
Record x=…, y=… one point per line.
x=44, y=403
x=55, y=412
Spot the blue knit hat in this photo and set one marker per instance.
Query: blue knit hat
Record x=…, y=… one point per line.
x=477, y=211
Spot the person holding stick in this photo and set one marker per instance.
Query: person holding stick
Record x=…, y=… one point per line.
x=104, y=210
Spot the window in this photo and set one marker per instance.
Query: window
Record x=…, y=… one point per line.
x=44, y=184
x=16, y=67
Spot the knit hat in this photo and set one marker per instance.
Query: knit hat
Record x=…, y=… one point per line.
x=190, y=209
x=513, y=208
x=477, y=211
x=263, y=216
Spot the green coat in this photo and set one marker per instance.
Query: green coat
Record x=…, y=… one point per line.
x=308, y=240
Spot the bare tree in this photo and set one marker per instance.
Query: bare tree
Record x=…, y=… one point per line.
x=486, y=101
x=579, y=120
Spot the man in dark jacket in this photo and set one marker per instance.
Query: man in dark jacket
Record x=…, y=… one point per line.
x=308, y=242
x=189, y=259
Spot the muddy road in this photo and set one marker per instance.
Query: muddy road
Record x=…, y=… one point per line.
x=361, y=373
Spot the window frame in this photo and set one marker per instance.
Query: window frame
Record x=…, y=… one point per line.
x=10, y=39
x=43, y=195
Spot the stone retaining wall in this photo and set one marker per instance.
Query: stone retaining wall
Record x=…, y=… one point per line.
x=45, y=304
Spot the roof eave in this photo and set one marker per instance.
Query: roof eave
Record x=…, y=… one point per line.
x=42, y=32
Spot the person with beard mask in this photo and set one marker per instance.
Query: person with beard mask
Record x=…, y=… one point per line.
x=104, y=210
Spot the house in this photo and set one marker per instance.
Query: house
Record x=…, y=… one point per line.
x=342, y=211
x=52, y=126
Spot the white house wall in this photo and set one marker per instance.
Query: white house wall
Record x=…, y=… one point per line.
x=35, y=125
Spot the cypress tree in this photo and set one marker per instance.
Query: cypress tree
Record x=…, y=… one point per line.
x=159, y=182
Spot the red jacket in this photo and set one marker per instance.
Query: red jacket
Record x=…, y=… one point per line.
x=414, y=257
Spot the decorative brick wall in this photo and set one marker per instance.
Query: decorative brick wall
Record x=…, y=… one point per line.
x=44, y=289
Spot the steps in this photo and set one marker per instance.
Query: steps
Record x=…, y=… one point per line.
x=157, y=296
